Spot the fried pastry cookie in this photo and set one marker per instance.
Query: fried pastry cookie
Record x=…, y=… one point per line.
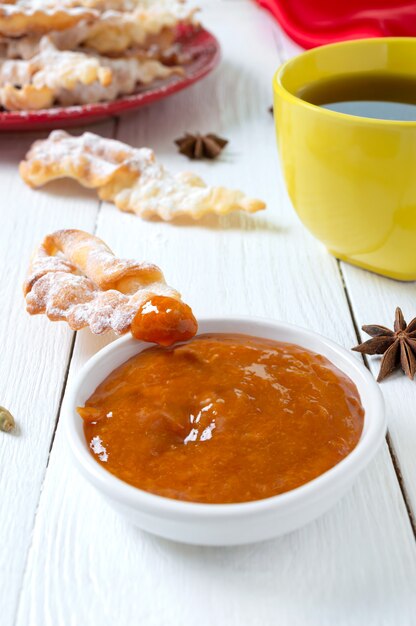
x=55, y=69
x=74, y=276
x=129, y=177
x=99, y=5
x=127, y=74
x=26, y=98
x=19, y=20
x=39, y=82
x=148, y=27
x=143, y=28
x=68, y=78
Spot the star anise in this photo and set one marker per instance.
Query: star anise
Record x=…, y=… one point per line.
x=398, y=346
x=199, y=146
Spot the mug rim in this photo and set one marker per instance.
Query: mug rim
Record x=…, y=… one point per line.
x=281, y=90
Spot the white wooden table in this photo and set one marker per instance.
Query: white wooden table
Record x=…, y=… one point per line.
x=66, y=558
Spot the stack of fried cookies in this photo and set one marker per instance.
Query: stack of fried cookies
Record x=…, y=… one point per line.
x=74, y=52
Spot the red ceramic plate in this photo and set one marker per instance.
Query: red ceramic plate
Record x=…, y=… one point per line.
x=317, y=22
x=201, y=44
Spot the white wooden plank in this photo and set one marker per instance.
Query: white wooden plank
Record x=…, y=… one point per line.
x=89, y=566
x=353, y=566
x=34, y=354
x=374, y=300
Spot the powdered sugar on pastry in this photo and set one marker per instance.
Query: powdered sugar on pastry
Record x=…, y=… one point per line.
x=100, y=5
x=146, y=25
x=70, y=78
x=55, y=69
x=103, y=5
x=118, y=31
x=26, y=98
x=40, y=81
x=18, y=20
x=126, y=74
x=67, y=69
x=20, y=47
x=17, y=72
x=129, y=177
x=75, y=277
x=79, y=52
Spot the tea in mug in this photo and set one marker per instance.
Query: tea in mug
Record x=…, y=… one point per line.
x=377, y=95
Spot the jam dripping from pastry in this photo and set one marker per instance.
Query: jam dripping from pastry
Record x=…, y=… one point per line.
x=74, y=276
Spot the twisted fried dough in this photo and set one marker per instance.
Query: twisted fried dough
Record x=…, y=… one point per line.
x=74, y=276
x=129, y=177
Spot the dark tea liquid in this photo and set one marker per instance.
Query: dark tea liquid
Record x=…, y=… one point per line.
x=380, y=96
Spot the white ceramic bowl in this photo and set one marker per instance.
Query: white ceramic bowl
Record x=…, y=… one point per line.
x=228, y=524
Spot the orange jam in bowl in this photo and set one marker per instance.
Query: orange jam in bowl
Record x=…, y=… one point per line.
x=224, y=418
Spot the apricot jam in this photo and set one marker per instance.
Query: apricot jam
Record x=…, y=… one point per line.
x=164, y=320
x=223, y=418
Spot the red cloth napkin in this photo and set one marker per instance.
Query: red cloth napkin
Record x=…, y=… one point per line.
x=317, y=22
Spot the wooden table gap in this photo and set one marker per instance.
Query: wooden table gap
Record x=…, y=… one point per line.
x=394, y=457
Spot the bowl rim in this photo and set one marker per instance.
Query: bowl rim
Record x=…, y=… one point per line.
x=280, y=89
x=373, y=434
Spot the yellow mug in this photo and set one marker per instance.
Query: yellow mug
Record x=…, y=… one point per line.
x=351, y=179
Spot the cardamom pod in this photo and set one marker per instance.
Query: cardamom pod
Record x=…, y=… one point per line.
x=7, y=423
